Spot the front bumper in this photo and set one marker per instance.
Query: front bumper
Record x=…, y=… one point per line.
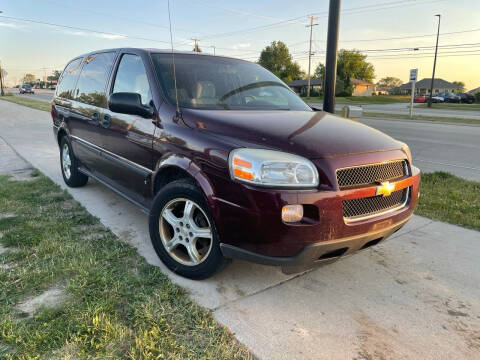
x=315, y=254
x=249, y=224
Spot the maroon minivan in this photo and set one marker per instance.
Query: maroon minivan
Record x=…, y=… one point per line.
x=227, y=161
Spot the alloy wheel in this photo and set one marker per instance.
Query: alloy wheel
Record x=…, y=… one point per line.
x=66, y=161
x=185, y=231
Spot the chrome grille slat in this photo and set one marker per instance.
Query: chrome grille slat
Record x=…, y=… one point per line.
x=373, y=173
x=363, y=207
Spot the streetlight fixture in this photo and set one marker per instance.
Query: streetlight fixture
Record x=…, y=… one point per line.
x=434, y=63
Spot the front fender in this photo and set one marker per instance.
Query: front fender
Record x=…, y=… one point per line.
x=190, y=167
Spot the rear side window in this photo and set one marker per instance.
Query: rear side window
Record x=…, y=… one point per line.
x=67, y=80
x=132, y=77
x=93, y=79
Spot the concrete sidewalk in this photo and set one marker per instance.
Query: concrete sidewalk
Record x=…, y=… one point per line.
x=413, y=297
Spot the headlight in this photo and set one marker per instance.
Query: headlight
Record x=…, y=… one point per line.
x=272, y=168
x=407, y=151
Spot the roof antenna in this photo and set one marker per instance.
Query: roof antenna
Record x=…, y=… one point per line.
x=178, y=114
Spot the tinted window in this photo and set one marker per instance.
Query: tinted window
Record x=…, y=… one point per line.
x=93, y=79
x=207, y=82
x=67, y=80
x=132, y=77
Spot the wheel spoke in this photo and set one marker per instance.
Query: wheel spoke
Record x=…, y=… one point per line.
x=188, y=210
x=205, y=233
x=172, y=244
x=193, y=253
x=170, y=217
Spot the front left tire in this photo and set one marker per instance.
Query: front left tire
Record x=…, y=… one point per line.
x=183, y=231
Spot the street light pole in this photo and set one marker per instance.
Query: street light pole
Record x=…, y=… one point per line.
x=434, y=63
x=331, y=58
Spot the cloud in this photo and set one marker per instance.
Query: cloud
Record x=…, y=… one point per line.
x=97, y=35
x=241, y=46
x=10, y=25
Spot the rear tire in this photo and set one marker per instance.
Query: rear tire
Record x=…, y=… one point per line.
x=183, y=231
x=69, y=165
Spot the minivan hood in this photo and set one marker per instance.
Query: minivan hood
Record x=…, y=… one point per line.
x=306, y=133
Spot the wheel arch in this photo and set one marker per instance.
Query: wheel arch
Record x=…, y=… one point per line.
x=62, y=131
x=177, y=167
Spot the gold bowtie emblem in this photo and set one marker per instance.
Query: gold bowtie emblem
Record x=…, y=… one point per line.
x=385, y=188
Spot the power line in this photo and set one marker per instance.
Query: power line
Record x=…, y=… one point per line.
x=370, y=8
x=81, y=29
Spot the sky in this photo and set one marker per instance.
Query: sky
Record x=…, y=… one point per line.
x=386, y=30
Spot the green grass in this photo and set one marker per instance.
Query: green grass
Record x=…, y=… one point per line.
x=363, y=100
x=451, y=106
x=116, y=305
x=34, y=104
x=448, y=198
x=423, y=117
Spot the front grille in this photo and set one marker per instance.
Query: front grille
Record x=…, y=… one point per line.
x=374, y=204
x=370, y=174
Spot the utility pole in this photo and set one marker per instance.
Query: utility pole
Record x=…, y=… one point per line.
x=213, y=46
x=1, y=80
x=434, y=63
x=195, y=47
x=312, y=18
x=45, y=77
x=331, y=58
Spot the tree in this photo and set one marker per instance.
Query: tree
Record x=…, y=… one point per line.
x=29, y=78
x=460, y=84
x=196, y=48
x=278, y=60
x=389, y=82
x=55, y=75
x=319, y=72
x=353, y=64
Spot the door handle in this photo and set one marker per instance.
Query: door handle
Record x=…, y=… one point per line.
x=94, y=118
x=106, y=121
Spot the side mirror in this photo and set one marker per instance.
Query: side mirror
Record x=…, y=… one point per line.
x=316, y=108
x=129, y=103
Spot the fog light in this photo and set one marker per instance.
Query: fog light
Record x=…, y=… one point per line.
x=292, y=213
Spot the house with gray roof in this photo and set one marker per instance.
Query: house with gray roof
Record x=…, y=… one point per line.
x=300, y=86
x=422, y=87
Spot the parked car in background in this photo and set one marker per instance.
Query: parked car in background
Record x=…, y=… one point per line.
x=52, y=87
x=436, y=99
x=419, y=99
x=449, y=97
x=228, y=161
x=467, y=98
x=25, y=89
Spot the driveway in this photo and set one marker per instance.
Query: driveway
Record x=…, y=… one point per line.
x=413, y=297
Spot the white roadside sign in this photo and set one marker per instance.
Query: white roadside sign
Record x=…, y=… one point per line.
x=413, y=80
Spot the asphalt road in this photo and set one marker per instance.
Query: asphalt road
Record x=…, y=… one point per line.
x=437, y=146
x=413, y=297
x=404, y=109
x=39, y=94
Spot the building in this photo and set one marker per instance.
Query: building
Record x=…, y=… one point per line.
x=362, y=88
x=300, y=86
x=474, y=91
x=382, y=90
x=422, y=87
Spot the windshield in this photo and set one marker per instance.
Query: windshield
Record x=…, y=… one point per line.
x=207, y=82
